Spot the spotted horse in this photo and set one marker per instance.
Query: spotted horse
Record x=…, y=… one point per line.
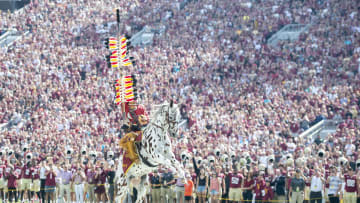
x=155, y=149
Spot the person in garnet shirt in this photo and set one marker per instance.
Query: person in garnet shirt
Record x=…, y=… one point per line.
x=50, y=182
x=235, y=192
x=2, y=181
x=26, y=174
x=248, y=185
x=17, y=169
x=260, y=186
x=90, y=177
x=8, y=167
x=100, y=178
x=351, y=182
x=35, y=173
x=11, y=177
x=268, y=192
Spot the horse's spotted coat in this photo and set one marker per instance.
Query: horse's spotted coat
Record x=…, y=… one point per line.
x=156, y=148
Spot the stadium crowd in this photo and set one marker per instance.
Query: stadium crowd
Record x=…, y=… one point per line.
x=246, y=103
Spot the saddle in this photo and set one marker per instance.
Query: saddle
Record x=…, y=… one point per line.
x=127, y=143
x=132, y=154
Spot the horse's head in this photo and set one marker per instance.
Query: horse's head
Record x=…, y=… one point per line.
x=167, y=116
x=173, y=119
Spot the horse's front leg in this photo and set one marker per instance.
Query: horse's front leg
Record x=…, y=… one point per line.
x=162, y=159
x=175, y=164
x=122, y=187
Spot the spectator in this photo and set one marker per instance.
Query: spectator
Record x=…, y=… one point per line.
x=155, y=187
x=110, y=179
x=248, y=186
x=215, y=186
x=201, y=185
x=189, y=187
x=50, y=183
x=78, y=179
x=235, y=192
x=316, y=187
x=35, y=189
x=350, y=186
x=90, y=178
x=26, y=179
x=335, y=185
x=42, y=181
x=226, y=186
x=179, y=190
x=11, y=178
x=309, y=173
x=236, y=91
x=2, y=180
x=167, y=180
x=280, y=186
x=17, y=167
x=296, y=193
x=65, y=176
x=100, y=178
x=268, y=192
x=260, y=186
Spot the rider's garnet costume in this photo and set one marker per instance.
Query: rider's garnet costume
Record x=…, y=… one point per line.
x=136, y=118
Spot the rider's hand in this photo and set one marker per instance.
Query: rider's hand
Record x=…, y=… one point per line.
x=125, y=127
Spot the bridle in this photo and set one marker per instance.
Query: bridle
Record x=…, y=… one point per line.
x=167, y=120
x=173, y=122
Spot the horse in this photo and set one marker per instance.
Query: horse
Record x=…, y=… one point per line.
x=155, y=150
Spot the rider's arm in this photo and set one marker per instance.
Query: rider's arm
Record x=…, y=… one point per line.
x=197, y=171
x=123, y=108
x=143, y=116
x=197, y=181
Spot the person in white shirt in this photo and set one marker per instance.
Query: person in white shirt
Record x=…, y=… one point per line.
x=42, y=180
x=335, y=185
x=349, y=148
x=316, y=187
x=78, y=180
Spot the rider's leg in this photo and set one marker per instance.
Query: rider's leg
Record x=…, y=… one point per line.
x=132, y=151
x=127, y=143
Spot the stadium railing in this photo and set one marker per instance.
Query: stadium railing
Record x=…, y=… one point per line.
x=322, y=128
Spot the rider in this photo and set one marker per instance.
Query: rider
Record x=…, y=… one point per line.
x=136, y=117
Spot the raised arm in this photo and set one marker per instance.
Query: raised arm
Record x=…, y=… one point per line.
x=197, y=171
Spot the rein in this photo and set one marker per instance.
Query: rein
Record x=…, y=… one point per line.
x=167, y=119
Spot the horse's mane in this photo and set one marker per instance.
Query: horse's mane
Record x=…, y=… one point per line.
x=157, y=109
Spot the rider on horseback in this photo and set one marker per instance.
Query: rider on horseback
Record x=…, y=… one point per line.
x=136, y=117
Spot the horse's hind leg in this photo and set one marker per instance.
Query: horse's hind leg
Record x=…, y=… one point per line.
x=141, y=189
